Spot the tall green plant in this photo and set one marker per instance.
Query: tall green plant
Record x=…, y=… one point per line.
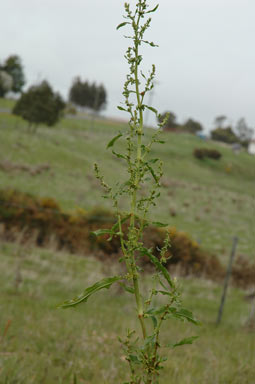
x=143, y=351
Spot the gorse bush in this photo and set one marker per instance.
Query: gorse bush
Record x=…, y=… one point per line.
x=201, y=153
x=42, y=219
x=142, y=350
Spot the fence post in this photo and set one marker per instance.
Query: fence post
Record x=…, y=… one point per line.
x=227, y=277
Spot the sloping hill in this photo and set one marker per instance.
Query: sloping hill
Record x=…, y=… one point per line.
x=211, y=200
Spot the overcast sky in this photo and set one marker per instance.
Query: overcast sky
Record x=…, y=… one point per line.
x=205, y=61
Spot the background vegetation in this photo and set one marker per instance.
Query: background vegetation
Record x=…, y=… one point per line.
x=211, y=200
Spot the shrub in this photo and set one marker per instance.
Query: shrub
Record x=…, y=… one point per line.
x=201, y=153
x=226, y=135
x=192, y=126
x=213, y=154
x=42, y=218
x=40, y=105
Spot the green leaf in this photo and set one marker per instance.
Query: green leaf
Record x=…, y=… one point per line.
x=154, y=321
x=111, y=143
x=183, y=314
x=156, y=311
x=152, y=109
x=153, y=161
x=188, y=340
x=165, y=293
x=152, y=173
x=127, y=288
x=154, y=9
x=134, y=359
x=101, y=232
x=122, y=24
x=104, y=283
x=158, y=224
x=152, y=45
x=158, y=265
x=150, y=340
x=121, y=108
x=160, y=141
x=119, y=155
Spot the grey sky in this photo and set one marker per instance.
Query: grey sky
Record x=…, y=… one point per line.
x=205, y=62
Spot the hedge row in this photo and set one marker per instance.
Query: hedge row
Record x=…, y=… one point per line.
x=42, y=218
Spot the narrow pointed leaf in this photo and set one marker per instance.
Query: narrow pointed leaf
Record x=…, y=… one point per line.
x=156, y=311
x=188, y=340
x=152, y=109
x=119, y=155
x=154, y=321
x=158, y=265
x=111, y=143
x=153, y=161
x=121, y=108
x=122, y=24
x=152, y=173
x=150, y=43
x=101, y=232
x=158, y=224
x=154, y=9
x=123, y=220
x=83, y=297
x=160, y=141
x=165, y=293
x=127, y=288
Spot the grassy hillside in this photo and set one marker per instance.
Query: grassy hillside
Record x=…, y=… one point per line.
x=211, y=200
x=42, y=344
x=6, y=104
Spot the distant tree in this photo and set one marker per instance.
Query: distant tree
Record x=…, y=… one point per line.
x=244, y=132
x=40, y=105
x=6, y=83
x=14, y=68
x=192, y=126
x=225, y=135
x=219, y=121
x=88, y=95
x=171, y=123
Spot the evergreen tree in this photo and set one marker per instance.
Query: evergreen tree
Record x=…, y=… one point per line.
x=40, y=105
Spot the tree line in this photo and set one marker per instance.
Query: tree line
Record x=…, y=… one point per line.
x=39, y=104
x=240, y=133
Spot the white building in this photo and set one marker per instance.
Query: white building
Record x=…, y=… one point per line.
x=251, y=147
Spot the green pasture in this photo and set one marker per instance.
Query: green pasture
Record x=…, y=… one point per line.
x=42, y=344
x=211, y=200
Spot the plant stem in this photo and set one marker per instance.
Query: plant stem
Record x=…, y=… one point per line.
x=135, y=274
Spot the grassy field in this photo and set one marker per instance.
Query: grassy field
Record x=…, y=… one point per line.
x=211, y=200
x=47, y=345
